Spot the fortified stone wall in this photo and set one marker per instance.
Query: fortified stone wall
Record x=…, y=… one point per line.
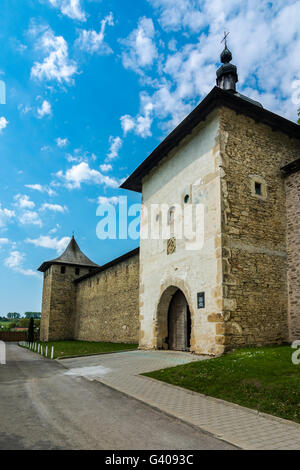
x=58, y=307
x=254, y=230
x=45, y=317
x=107, y=304
x=293, y=247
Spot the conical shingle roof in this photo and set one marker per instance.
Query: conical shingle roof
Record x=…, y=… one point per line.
x=72, y=255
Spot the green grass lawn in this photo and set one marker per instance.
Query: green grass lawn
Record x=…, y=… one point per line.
x=264, y=379
x=84, y=348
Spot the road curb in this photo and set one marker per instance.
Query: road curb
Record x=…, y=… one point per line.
x=169, y=415
x=229, y=404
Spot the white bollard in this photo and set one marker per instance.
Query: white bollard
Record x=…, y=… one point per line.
x=46, y=353
x=52, y=352
x=41, y=350
x=39, y=347
x=2, y=353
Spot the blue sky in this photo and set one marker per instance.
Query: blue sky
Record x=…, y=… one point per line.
x=92, y=87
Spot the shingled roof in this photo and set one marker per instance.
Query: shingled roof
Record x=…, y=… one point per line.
x=215, y=99
x=73, y=256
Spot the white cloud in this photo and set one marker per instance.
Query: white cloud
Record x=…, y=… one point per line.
x=80, y=155
x=82, y=173
x=141, y=124
x=15, y=262
x=24, y=202
x=115, y=146
x=57, y=65
x=140, y=50
x=54, y=208
x=45, y=109
x=262, y=34
x=180, y=14
x=127, y=123
x=53, y=243
x=5, y=216
x=55, y=229
x=4, y=241
x=105, y=167
x=3, y=123
x=62, y=142
x=30, y=218
x=41, y=189
x=24, y=109
x=104, y=201
x=70, y=8
x=184, y=75
x=93, y=42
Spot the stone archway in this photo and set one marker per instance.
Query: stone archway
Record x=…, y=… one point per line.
x=173, y=321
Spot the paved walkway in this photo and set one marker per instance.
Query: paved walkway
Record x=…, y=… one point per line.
x=240, y=426
x=42, y=408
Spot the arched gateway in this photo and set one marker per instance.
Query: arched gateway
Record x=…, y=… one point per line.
x=173, y=321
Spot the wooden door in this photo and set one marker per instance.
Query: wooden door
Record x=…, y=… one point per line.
x=178, y=323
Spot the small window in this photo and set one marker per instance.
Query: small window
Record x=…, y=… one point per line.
x=201, y=300
x=63, y=270
x=186, y=199
x=258, y=189
x=171, y=214
x=77, y=271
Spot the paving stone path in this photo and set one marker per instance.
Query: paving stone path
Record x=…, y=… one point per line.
x=237, y=425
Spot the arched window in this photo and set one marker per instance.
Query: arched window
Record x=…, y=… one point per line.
x=171, y=215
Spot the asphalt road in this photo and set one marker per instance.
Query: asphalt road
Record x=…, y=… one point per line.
x=41, y=408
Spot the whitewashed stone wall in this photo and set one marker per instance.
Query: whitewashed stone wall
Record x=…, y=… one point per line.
x=192, y=168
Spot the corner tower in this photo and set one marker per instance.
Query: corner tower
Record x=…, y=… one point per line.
x=58, y=304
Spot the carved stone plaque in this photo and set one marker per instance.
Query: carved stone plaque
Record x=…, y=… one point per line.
x=171, y=246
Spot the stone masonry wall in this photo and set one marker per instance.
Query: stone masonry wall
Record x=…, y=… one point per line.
x=293, y=247
x=255, y=308
x=44, y=327
x=107, y=304
x=58, y=308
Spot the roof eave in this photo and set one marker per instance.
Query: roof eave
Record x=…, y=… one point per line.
x=214, y=99
x=291, y=168
x=47, y=265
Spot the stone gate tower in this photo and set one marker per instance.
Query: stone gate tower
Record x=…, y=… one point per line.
x=58, y=304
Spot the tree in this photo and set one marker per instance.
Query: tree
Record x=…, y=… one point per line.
x=35, y=315
x=299, y=116
x=13, y=315
x=30, y=333
x=23, y=323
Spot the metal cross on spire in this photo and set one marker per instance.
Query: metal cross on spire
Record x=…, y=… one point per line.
x=225, y=38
